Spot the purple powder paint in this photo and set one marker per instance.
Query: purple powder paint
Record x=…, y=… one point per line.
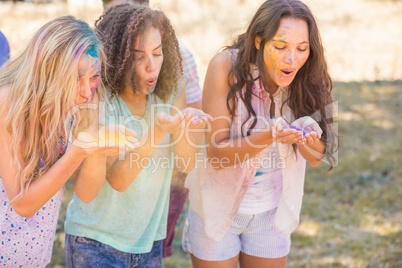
x=198, y=117
x=298, y=129
x=80, y=50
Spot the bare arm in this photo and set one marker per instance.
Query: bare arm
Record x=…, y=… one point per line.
x=196, y=105
x=310, y=146
x=216, y=89
x=313, y=149
x=90, y=176
x=43, y=188
x=46, y=186
x=190, y=136
x=121, y=173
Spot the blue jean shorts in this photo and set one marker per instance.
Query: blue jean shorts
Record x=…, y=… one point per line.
x=254, y=235
x=82, y=252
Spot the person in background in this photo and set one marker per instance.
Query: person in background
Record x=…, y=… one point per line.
x=178, y=193
x=4, y=49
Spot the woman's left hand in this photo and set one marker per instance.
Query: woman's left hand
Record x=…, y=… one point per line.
x=310, y=128
x=289, y=136
x=285, y=134
x=188, y=118
x=199, y=119
x=312, y=138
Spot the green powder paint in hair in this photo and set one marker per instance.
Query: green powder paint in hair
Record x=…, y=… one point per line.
x=93, y=52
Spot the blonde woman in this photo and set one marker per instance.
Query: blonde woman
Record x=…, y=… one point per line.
x=59, y=70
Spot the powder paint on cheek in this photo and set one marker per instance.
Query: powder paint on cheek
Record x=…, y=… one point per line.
x=96, y=67
x=94, y=88
x=270, y=61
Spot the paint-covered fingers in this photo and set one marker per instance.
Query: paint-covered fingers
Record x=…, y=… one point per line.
x=289, y=136
x=306, y=124
x=312, y=138
x=199, y=118
x=169, y=123
x=112, y=135
x=188, y=118
x=129, y=133
x=200, y=121
x=314, y=127
x=110, y=140
x=280, y=124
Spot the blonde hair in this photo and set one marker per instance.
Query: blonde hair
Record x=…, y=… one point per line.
x=42, y=86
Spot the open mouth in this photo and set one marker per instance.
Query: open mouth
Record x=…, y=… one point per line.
x=151, y=82
x=287, y=73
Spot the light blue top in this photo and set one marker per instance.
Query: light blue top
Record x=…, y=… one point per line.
x=129, y=221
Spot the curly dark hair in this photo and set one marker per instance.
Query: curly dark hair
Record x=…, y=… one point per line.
x=310, y=91
x=119, y=30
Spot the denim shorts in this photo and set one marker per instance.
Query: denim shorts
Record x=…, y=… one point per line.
x=254, y=235
x=82, y=252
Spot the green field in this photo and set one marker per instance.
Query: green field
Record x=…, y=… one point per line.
x=352, y=215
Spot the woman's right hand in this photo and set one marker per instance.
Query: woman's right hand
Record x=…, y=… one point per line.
x=182, y=121
x=285, y=134
x=172, y=124
x=108, y=140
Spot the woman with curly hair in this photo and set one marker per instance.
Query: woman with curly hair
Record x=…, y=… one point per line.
x=272, y=94
x=58, y=71
x=125, y=224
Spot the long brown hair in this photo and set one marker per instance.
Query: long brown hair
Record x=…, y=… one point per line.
x=119, y=30
x=309, y=92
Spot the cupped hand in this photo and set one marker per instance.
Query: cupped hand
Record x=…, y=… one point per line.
x=289, y=136
x=308, y=125
x=189, y=118
x=312, y=138
x=285, y=134
x=199, y=119
x=108, y=140
x=171, y=123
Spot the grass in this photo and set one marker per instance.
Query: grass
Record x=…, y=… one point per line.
x=352, y=215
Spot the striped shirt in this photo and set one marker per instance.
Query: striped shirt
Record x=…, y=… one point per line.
x=193, y=90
